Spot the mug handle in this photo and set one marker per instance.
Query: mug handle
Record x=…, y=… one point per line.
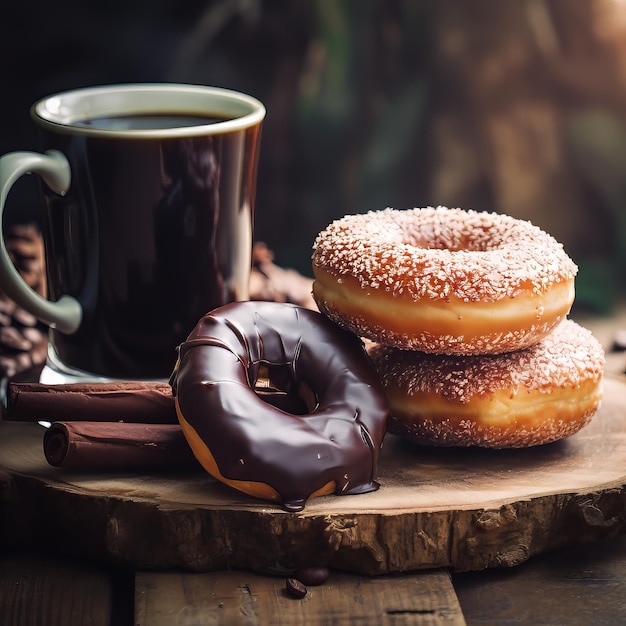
x=66, y=313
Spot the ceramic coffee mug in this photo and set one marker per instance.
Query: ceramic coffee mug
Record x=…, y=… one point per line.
x=148, y=199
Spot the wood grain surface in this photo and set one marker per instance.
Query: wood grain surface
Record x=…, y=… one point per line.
x=461, y=509
x=233, y=598
x=37, y=591
x=584, y=585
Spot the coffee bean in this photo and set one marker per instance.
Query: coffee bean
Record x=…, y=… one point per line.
x=295, y=588
x=312, y=575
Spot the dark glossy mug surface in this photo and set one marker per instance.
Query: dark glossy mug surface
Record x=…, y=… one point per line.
x=154, y=232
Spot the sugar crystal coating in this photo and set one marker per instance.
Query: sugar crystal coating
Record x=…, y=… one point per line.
x=470, y=433
x=437, y=252
x=523, y=398
x=569, y=355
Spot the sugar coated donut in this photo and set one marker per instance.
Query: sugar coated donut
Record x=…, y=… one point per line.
x=442, y=280
x=280, y=403
x=523, y=398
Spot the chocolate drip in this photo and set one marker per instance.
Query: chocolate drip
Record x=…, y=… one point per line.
x=297, y=355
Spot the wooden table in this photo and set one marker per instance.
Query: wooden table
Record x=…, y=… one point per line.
x=580, y=584
x=585, y=585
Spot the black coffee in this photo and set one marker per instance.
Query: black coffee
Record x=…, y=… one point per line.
x=149, y=121
x=152, y=235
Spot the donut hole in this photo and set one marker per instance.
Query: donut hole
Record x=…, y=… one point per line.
x=450, y=235
x=450, y=241
x=276, y=385
x=436, y=240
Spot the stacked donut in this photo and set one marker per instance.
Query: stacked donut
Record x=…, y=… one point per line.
x=467, y=312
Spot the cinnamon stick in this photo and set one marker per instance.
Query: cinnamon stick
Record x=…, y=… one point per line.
x=141, y=402
x=106, y=446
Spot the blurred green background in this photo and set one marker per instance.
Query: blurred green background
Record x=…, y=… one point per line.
x=516, y=107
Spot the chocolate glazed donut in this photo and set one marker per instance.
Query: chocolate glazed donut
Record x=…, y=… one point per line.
x=279, y=402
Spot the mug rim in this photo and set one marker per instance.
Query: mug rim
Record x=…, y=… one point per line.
x=60, y=112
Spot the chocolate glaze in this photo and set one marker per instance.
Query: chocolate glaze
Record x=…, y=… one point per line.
x=297, y=452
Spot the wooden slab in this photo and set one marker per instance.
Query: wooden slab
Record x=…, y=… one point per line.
x=233, y=598
x=462, y=509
